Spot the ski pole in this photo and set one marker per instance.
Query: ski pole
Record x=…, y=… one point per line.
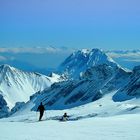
x=37, y=115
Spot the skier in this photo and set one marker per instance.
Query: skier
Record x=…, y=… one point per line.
x=41, y=110
x=65, y=117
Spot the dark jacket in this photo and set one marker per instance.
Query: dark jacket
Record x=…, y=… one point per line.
x=41, y=108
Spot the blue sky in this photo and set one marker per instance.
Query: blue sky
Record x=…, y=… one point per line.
x=107, y=24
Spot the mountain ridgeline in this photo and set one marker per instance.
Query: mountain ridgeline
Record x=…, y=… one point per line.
x=89, y=75
x=79, y=61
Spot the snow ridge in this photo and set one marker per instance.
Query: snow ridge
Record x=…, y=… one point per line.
x=18, y=86
x=81, y=60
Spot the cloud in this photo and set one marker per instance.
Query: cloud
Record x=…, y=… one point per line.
x=40, y=57
x=134, y=54
x=2, y=58
x=36, y=50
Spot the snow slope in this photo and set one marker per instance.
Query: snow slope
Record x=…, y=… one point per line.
x=99, y=120
x=131, y=89
x=104, y=107
x=124, y=127
x=17, y=85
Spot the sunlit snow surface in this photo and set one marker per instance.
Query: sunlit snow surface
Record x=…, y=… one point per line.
x=17, y=85
x=100, y=120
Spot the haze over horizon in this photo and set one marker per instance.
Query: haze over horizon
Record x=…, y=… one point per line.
x=74, y=24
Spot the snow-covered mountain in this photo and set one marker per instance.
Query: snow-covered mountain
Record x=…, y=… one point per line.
x=99, y=75
x=92, y=76
x=131, y=89
x=18, y=86
x=79, y=61
x=94, y=84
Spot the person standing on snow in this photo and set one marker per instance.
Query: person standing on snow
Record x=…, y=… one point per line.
x=41, y=110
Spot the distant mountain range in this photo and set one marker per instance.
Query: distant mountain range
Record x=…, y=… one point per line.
x=39, y=59
x=92, y=75
x=84, y=76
